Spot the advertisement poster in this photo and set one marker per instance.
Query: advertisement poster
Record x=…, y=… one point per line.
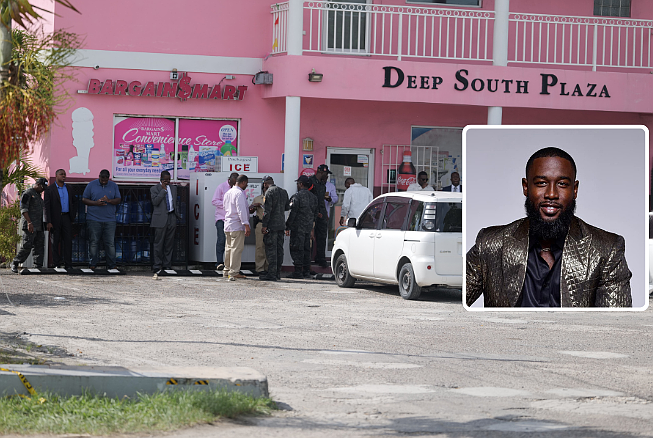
x=143, y=147
x=308, y=160
x=202, y=142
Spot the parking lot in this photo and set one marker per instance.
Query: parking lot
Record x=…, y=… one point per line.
x=360, y=361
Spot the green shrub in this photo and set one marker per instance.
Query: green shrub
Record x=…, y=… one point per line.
x=9, y=236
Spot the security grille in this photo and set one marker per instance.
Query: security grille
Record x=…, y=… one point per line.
x=424, y=158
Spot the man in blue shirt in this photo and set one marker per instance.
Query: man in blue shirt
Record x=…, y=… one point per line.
x=101, y=196
x=60, y=211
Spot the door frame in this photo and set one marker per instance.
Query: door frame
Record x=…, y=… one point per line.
x=355, y=151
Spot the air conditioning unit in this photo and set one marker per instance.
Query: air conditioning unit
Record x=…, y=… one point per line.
x=263, y=77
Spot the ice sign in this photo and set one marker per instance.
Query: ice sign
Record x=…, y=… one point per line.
x=228, y=134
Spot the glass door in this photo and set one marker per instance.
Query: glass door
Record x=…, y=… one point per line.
x=347, y=163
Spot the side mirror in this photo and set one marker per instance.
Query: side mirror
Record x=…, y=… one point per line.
x=351, y=222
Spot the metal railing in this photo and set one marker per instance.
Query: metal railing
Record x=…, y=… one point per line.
x=279, y=28
x=582, y=41
x=348, y=28
x=397, y=31
x=424, y=158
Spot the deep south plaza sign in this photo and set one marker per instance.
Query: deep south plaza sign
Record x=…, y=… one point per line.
x=395, y=77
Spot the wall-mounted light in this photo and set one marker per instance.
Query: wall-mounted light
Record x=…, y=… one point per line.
x=308, y=144
x=174, y=75
x=315, y=77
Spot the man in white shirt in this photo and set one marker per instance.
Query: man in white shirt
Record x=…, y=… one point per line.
x=422, y=184
x=356, y=199
x=236, y=227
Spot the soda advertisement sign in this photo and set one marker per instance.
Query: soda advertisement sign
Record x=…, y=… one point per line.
x=202, y=142
x=143, y=147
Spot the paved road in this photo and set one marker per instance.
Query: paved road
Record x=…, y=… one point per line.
x=359, y=362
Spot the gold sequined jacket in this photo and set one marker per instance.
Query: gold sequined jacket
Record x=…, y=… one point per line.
x=594, y=270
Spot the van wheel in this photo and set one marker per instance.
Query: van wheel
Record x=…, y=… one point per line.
x=341, y=271
x=408, y=287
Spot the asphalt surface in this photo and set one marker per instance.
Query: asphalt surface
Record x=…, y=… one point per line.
x=357, y=362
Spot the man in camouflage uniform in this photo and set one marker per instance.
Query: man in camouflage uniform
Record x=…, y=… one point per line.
x=303, y=211
x=322, y=220
x=275, y=205
x=31, y=225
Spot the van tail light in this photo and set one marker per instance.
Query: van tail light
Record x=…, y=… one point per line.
x=428, y=267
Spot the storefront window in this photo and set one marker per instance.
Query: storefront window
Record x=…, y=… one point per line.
x=612, y=8
x=145, y=146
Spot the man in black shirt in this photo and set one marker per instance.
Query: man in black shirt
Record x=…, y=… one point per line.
x=322, y=220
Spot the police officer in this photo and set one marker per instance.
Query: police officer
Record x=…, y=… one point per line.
x=31, y=224
x=322, y=221
x=274, y=206
x=303, y=212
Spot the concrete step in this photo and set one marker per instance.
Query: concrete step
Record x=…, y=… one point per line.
x=120, y=381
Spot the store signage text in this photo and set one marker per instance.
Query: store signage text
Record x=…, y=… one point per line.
x=182, y=89
x=239, y=164
x=549, y=84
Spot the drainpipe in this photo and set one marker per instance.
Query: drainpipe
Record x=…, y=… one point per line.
x=499, y=50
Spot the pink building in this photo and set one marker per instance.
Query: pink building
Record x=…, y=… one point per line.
x=354, y=84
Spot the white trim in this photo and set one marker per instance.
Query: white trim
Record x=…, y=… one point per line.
x=166, y=62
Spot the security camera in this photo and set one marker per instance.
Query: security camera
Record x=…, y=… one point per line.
x=96, y=67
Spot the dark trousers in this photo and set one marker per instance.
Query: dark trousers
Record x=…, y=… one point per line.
x=220, y=243
x=321, y=226
x=106, y=231
x=300, y=249
x=35, y=240
x=164, y=242
x=273, y=241
x=62, y=242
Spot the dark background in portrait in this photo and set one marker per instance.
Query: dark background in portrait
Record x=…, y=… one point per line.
x=612, y=174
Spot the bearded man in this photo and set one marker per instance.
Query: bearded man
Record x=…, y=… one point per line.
x=551, y=258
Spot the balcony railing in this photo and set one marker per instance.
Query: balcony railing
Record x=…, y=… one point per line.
x=347, y=28
x=583, y=41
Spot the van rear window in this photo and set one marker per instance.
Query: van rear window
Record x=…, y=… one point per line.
x=442, y=217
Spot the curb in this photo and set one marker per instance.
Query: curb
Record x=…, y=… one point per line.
x=120, y=382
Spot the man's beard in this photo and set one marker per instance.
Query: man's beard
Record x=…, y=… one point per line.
x=553, y=229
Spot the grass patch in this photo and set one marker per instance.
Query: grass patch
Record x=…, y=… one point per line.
x=97, y=415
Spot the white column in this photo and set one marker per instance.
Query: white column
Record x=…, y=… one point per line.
x=291, y=145
x=499, y=50
x=295, y=26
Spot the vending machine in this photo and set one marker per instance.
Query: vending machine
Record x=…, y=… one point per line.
x=203, y=234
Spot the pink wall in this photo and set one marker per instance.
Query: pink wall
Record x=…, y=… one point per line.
x=261, y=128
x=198, y=27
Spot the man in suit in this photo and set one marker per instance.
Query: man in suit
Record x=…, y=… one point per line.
x=165, y=211
x=455, y=184
x=60, y=211
x=551, y=258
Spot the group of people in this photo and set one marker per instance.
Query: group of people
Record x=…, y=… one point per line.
x=308, y=215
x=56, y=211
x=422, y=184
x=308, y=218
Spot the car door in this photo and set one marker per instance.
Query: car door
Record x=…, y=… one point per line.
x=389, y=239
x=360, y=254
x=448, y=238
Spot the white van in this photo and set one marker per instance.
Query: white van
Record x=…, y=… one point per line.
x=413, y=239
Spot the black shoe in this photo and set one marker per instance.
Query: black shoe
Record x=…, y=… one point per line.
x=297, y=274
x=155, y=270
x=267, y=278
x=307, y=274
x=14, y=268
x=279, y=275
x=261, y=273
x=68, y=268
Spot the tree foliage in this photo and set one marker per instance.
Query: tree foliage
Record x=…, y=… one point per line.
x=24, y=13
x=34, y=93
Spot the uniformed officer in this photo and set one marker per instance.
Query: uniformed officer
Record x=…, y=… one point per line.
x=322, y=220
x=31, y=225
x=303, y=212
x=256, y=208
x=275, y=205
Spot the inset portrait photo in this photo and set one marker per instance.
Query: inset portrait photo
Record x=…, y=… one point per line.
x=555, y=217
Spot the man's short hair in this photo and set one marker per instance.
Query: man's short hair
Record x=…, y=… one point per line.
x=455, y=173
x=242, y=178
x=59, y=170
x=105, y=173
x=550, y=152
x=234, y=175
x=164, y=173
x=422, y=173
x=353, y=181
